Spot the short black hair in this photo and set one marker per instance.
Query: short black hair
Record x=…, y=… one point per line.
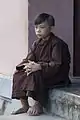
x=44, y=17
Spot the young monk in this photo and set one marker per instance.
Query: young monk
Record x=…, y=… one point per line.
x=45, y=67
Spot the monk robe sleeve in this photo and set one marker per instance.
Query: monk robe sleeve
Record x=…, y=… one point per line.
x=52, y=67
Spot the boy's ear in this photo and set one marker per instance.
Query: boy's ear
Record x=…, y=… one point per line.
x=51, y=27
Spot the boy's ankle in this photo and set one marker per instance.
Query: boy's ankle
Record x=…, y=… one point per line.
x=31, y=101
x=24, y=103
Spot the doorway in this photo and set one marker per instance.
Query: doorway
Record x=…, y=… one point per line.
x=76, y=41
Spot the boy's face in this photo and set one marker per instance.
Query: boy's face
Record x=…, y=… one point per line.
x=42, y=30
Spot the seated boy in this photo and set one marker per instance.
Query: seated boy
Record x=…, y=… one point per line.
x=45, y=67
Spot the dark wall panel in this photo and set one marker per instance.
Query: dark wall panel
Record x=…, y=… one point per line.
x=76, y=64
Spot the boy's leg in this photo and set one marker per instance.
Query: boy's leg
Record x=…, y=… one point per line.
x=35, y=83
x=38, y=96
x=24, y=109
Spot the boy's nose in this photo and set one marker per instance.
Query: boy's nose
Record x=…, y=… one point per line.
x=37, y=30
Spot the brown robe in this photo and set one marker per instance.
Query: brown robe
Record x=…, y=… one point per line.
x=54, y=57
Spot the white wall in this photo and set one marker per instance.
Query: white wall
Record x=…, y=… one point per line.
x=13, y=33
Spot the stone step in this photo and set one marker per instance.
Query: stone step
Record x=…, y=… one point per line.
x=5, y=92
x=65, y=102
x=26, y=117
x=3, y=105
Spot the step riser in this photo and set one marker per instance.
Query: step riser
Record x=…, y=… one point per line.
x=3, y=105
x=64, y=104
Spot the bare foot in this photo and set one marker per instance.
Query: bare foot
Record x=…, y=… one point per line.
x=35, y=110
x=20, y=111
x=24, y=109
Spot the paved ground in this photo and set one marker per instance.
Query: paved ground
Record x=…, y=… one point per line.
x=25, y=117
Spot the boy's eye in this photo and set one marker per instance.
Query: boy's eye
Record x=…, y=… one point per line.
x=42, y=27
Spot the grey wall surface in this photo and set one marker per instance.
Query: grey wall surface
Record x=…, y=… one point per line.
x=62, y=10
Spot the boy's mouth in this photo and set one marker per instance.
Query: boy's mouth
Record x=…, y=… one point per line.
x=39, y=35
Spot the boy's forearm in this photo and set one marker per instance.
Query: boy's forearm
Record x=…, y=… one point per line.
x=52, y=67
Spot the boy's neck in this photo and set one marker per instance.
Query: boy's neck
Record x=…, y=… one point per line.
x=46, y=38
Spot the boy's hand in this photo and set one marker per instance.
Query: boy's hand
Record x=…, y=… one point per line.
x=31, y=67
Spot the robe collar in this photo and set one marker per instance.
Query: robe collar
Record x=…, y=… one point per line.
x=49, y=38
